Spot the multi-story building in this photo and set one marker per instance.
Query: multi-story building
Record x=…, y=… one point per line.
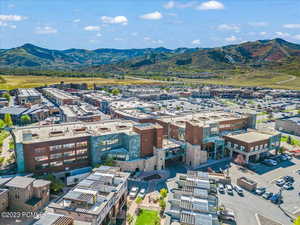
x=290, y=125
x=54, y=219
x=80, y=112
x=60, y=97
x=98, y=199
x=24, y=194
x=28, y=96
x=192, y=200
x=252, y=145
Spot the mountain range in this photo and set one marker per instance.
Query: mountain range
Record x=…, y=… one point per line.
x=269, y=54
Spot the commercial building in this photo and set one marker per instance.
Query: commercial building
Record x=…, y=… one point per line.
x=290, y=125
x=60, y=97
x=98, y=199
x=192, y=200
x=252, y=145
x=54, y=219
x=28, y=96
x=24, y=194
x=80, y=112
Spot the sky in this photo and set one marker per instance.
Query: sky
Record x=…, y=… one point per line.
x=92, y=24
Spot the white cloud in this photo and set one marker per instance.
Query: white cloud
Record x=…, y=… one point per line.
x=157, y=42
x=297, y=36
x=258, y=24
x=99, y=35
x=228, y=27
x=4, y=24
x=152, y=16
x=13, y=26
x=12, y=17
x=118, y=39
x=282, y=34
x=147, y=38
x=291, y=26
x=45, y=30
x=231, y=38
x=92, y=28
x=196, y=42
x=169, y=5
x=211, y=5
x=76, y=21
x=134, y=33
x=263, y=33
x=115, y=20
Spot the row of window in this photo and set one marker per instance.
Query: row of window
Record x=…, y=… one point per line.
x=60, y=155
x=82, y=144
x=60, y=163
x=254, y=148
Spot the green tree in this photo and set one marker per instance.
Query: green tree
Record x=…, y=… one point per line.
x=56, y=185
x=25, y=119
x=138, y=200
x=297, y=221
x=162, y=204
x=163, y=192
x=7, y=96
x=115, y=91
x=109, y=162
x=2, y=124
x=7, y=120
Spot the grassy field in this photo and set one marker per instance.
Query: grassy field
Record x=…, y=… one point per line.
x=147, y=217
x=12, y=82
x=255, y=78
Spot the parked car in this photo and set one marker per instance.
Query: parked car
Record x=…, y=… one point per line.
x=267, y=195
x=221, y=188
x=260, y=191
x=270, y=162
x=289, y=179
x=288, y=186
x=239, y=190
x=142, y=193
x=133, y=192
x=276, y=199
x=280, y=182
x=298, y=172
x=229, y=189
x=226, y=215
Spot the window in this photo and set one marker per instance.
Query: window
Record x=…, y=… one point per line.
x=70, y=153
x=56, y=163
x=256, y=147
x=55, y=156
x=109, y=142
x=70, y=145
x=81, y=152
x=82, y=157
x=40, y=150
x=81, y=144
x=42, y=166
x=55, y=147
x=41, y=158
x=69, y=161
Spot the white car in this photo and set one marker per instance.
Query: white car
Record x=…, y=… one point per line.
x=229, y=189
x=280, y=182
x=142, y=193
x=133, y=192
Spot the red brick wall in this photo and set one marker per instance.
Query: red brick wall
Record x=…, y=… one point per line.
x=193, y=134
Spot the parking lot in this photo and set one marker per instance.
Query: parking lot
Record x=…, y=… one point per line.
x=251, y=204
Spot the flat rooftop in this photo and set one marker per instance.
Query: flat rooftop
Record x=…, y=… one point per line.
x=250, y=137
x=40, y=133
x=20, y=182
x=28, y=92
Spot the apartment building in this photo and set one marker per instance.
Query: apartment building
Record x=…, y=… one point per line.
x=98, y=199
x=60, y=97
x=192, y=200
x=80, y=112
x=289, y=125
x=253, y=144
x=28, y=96
x=24, y=194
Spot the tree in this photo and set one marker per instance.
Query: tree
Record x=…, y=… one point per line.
x=56, y=185
x=163, y=192
x=7, y=96
x=2, y=123
x=129, y=219
x=7, y=120
x=115, y=91
x=138, y=200
x=297, y=221
x=162, y=204
x=289, y=140
x=25, y=119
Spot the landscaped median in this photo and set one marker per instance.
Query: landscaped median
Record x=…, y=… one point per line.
x=148, y=217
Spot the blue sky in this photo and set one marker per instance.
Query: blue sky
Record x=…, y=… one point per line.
x=92, y=24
